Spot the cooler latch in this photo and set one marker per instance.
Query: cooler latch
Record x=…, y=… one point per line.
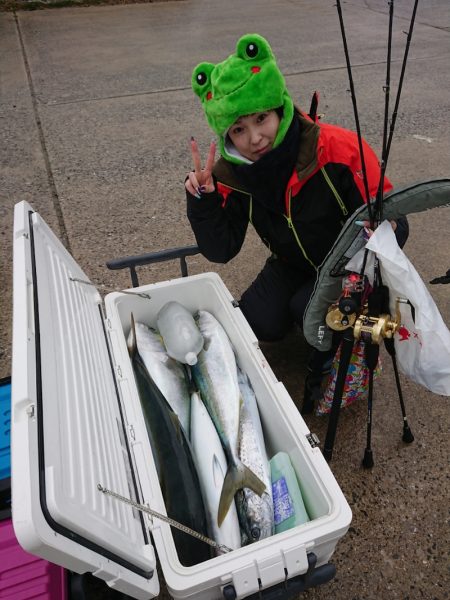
x=292, y=586
x=266, y=573
x=313, y=440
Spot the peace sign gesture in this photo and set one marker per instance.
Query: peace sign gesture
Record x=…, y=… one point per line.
x=200, y=180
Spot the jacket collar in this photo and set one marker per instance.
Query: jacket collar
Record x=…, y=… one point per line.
x=306, y=161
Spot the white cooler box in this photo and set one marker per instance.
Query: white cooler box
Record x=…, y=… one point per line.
x=77, y=422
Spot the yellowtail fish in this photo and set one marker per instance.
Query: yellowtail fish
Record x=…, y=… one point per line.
x=176, y=470
x=169, y=375
x=211, y=463
x=255, y=512
x=215, y=375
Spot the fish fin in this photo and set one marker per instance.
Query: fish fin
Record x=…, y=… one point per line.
x=131, y=340
x=253, y=482
x=238, y=476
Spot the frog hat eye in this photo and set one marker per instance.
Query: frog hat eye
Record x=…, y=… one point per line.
x=253, y=47
x=201, y=80
x=252, y=50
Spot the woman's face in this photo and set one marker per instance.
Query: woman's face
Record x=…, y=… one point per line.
x=254, y=135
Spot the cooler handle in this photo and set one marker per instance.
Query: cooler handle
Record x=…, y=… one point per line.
x=131, y=262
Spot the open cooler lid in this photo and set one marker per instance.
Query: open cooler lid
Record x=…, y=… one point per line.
x=67, y=424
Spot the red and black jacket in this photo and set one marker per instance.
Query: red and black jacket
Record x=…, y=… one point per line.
x=325, y=188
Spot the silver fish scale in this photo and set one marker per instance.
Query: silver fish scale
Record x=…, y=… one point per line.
x=249, y=448
x=256, y=510
x=217, y=364
x=166, y=372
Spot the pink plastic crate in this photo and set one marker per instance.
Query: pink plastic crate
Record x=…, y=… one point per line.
x=24, y=576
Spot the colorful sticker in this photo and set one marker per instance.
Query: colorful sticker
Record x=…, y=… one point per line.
x=283, y=507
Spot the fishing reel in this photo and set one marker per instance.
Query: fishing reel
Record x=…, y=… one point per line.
x=343, y=314
x=375, y=329
x=368, y=327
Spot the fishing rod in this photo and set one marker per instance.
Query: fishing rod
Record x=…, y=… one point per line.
x=387, y=145
x=378, y=301
x=357, y=295
x=402, y=74
x=355, y=110
x=378, y=298
x=383, y=293
x=387, y=87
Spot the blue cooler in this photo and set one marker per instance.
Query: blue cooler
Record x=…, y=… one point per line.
x=5, y=442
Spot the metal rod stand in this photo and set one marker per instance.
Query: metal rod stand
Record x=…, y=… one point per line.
x=407, y=433
x=344, y=362
x=372, y=352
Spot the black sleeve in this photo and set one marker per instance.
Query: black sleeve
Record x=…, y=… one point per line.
x=402, y=231
x=219, y=227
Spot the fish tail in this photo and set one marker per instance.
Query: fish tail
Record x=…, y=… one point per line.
x=131, y=340
x=237, y=477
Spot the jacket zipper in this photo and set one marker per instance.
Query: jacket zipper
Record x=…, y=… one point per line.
x=335, y=192
x=291, y=226
x=288, y=218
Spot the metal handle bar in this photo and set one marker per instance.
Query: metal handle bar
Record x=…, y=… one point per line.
x=131, y=262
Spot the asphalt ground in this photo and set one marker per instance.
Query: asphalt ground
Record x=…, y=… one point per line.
x=96, y=113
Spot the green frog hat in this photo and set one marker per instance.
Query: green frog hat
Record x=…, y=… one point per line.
x=247, y=82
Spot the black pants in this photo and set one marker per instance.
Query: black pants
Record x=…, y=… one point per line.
x=276, y=300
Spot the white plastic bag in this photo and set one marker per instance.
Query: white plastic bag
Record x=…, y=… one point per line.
x=422, y=345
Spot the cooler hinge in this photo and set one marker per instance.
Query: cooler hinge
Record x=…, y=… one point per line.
x=313, y=440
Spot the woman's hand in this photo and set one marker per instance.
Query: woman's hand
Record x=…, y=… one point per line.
x=200, y=181
x=366, y=225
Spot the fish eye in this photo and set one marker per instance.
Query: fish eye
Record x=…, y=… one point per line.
x=251, y=50
x=201, y=78
x=255, y=533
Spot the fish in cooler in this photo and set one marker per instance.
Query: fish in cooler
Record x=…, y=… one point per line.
x=169, y=375
x=176, y=470
x=255, y=512
x=215, y=375
x=211, y=464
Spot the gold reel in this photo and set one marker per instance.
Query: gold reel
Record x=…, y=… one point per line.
x=337, y=321
x=374, y=329
x=371, y=329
